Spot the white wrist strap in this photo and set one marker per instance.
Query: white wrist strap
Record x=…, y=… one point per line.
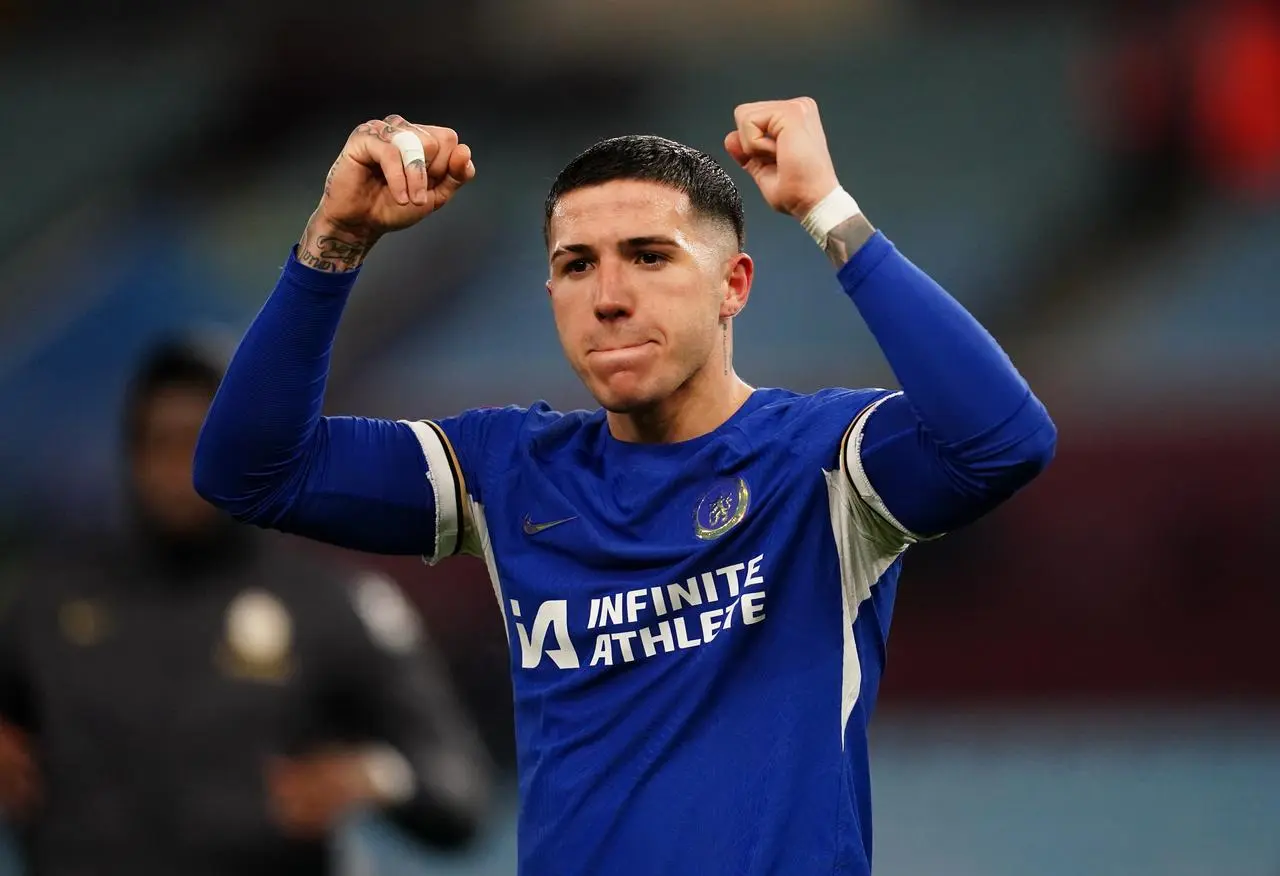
x=839, y=206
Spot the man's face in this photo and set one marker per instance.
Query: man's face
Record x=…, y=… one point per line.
x=163, y=455
x=639, y=284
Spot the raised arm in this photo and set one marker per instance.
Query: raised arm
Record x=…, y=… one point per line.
x=966, y=432
x=266, y=455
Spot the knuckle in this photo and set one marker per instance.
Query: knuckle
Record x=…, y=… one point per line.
x=447, y=137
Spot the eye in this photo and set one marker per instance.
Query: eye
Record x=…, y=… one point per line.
x=577, y=266
x=651, y=259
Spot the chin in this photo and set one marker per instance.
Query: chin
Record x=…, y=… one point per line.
x=618, y=403
x=623, y=395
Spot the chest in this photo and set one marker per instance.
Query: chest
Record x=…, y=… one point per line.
x=640, y=566
x=145, y=663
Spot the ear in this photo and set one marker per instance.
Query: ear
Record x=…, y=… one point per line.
x=548, y=288
x=739, y=272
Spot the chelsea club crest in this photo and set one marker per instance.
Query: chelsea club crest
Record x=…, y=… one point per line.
x=721, y=508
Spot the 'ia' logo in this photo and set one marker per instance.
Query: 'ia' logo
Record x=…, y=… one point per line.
x=552, y=617
x=721, y=508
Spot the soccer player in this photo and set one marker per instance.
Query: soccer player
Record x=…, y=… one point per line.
x=697, y=580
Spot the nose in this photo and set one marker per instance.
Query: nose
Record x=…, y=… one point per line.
x=613, y=299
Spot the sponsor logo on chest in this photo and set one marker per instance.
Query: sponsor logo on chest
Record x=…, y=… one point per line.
x=640, y=623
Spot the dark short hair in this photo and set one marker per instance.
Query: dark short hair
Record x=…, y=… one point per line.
x=189, y=362
x=647, y=158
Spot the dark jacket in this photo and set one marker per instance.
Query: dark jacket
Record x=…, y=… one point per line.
x=158, y=674
x=155, y=702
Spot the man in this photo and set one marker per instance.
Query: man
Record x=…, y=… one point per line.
x=697, y=579
x=200, y=701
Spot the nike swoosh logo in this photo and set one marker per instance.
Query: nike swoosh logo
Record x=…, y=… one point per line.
x=531, y=528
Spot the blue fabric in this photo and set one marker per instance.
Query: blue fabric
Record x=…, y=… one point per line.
x=679, y=647
x=967, y=432
x=698, y=630
x=267, y=455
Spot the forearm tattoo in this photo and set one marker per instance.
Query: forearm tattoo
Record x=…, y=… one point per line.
x=330, y=251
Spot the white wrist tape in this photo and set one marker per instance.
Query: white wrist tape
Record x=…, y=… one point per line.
x=839, y=206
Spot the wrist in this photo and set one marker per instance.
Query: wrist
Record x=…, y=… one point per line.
x=822, y=216
x=331, y=246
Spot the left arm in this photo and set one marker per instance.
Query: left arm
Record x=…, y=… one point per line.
x=407, y=747
x=428, y=766
x=966, y=433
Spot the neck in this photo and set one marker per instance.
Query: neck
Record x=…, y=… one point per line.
x=701, y=405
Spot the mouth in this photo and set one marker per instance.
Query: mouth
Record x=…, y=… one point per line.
x=621, y=348
x=621, y=358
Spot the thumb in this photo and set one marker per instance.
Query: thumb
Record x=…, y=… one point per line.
x=733, y=145
x=754, y=165
x=460, y=171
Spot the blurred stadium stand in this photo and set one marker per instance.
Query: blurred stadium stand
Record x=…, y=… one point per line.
x=1085, y=682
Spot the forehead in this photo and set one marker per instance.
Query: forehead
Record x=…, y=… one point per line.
x=618, y=210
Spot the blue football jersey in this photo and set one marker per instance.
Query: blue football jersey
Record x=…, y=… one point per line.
x=697, y=630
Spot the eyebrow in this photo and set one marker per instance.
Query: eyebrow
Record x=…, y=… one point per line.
x=628, y=244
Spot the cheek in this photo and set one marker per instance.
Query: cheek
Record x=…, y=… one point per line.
x=698, y=316
x=569, y=324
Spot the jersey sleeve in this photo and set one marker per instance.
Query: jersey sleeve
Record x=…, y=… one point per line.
x=967, y=432
x=876, y=518
x=829, y=429
x=464, y=453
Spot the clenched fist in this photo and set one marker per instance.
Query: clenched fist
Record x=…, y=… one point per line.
x=390, y=175
x=782, y=145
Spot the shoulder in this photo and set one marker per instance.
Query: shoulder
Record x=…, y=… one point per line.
x=807, y=423
x=46, y=574
x=513, y=422
x=483, y=438
x=832, y=402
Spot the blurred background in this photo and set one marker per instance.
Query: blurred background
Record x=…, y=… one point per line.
x=1087, y=681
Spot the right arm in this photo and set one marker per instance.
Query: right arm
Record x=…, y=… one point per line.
x=266, y=455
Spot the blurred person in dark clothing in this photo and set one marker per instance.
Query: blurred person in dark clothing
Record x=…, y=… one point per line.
x=197, y=699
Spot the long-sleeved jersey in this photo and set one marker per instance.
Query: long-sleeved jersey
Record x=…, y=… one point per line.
x=697, y=629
